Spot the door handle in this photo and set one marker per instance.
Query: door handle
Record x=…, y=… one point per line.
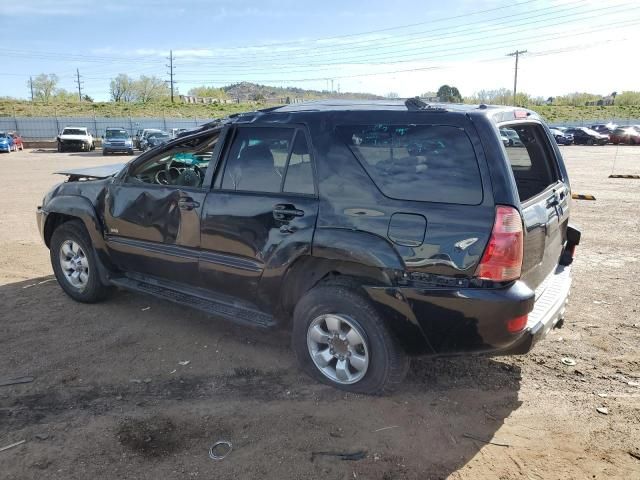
x=187, y=203
x=286, y=211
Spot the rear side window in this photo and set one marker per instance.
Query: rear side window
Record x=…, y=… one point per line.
x=531, y=160
x=429, y=163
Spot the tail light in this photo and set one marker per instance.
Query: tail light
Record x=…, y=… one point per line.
x=517, y=324
x=502, y=259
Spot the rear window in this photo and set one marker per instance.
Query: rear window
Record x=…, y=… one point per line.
x=429, y=163
x=532, y=162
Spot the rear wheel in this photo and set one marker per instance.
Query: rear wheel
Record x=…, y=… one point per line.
x=74, y=263
x=341, y=340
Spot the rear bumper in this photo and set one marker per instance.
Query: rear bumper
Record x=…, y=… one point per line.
x=447, y=321
x=548, y=310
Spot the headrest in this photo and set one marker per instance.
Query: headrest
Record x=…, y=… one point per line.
x=256, y=156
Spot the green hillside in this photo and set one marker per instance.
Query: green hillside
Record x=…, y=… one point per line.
x=21, y=108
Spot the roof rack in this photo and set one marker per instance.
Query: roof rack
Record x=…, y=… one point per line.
x=415, y=104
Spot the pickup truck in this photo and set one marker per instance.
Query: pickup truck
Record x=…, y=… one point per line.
x=75, y=138
x=372, y=231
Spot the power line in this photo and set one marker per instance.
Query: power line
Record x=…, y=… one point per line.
x=516, y=54
x=486, y=47
x=409, y=54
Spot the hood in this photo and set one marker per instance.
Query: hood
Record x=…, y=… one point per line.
x=74, y=137
x=103, y=171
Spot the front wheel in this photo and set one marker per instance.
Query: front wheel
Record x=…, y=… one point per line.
x=74, y=263
x=60, y=148
x=340, y=339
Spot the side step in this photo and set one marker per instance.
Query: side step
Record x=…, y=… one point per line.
x=235, y=313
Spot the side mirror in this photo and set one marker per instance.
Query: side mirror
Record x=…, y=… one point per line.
x=102, y=137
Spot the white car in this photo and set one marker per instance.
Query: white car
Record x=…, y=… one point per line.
x=75, y=138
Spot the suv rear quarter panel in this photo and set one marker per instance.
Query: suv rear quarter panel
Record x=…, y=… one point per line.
x=455, y=235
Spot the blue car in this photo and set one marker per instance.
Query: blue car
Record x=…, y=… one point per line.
x=6, y=143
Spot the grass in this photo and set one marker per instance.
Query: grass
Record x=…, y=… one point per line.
x=9, y=108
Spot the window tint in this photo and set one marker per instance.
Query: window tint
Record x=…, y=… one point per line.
x=259, y=158
x=299, y=176
x=531, y=160
x=417, y=162
x=184, y=165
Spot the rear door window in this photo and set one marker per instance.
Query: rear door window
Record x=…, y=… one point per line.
x=269, y=159
x=531, y=158
x=429, y=163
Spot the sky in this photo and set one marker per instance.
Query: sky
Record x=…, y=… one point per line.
x=408, y=47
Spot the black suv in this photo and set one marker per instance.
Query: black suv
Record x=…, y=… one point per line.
x=373, y=230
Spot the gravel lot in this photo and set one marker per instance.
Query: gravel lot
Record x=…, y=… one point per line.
x=110, y=399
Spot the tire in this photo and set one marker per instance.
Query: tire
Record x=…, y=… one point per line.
x=385, y=362
x=60, y=147
x=89, y=288
x=130, y=152
x=590, y=141
x=104, y=152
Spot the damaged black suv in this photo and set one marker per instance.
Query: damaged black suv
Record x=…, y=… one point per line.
x=374, y=231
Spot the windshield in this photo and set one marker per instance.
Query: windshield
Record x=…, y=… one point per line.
x=116, y=134
x=589, y=131
x=74, y=131
x=158, y=135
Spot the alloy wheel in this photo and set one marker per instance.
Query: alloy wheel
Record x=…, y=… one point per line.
x=338, y=348
x=75, y=264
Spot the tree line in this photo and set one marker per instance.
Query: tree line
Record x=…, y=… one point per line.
x=145, y=89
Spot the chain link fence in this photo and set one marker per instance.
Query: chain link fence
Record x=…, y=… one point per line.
x=47, y=128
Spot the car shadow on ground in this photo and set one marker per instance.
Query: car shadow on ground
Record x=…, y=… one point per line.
x=106, y=375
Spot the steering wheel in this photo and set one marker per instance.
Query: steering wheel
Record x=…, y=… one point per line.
x=171, y=173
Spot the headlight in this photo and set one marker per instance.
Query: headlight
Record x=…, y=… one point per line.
x=128, y=143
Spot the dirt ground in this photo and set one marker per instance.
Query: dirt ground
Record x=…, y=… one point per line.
x=110, y=399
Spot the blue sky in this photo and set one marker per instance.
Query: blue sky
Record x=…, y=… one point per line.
x=408, y=47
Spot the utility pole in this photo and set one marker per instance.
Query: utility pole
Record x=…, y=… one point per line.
x=516, y=54
x=170, y=67
x=31, y=87
x=79, y=84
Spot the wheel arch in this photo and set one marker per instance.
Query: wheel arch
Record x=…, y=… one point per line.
x=64, y=208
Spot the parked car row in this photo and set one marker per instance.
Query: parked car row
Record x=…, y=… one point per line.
x=146, y=138
x=10, y=142
x=599, y=134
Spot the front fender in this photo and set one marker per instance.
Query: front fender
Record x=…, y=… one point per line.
x=79, y=207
